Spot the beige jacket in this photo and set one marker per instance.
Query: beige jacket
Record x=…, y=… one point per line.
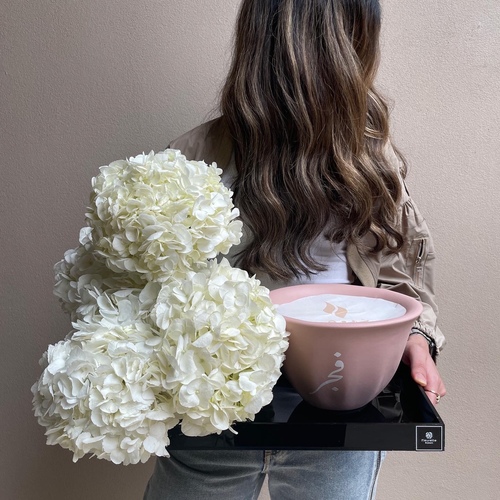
x=410, y=272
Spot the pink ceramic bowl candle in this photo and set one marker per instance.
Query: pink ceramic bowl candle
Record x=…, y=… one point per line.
x=342, y=364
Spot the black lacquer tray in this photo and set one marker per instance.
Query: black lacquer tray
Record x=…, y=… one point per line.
x=401, y=417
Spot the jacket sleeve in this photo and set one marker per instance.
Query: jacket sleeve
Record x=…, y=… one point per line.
x=411, y=271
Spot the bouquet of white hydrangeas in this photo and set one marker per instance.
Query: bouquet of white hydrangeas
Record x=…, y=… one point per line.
x=162, y=332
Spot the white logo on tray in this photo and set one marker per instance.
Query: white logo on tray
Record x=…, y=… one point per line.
x=334, y=376
x=428, y=435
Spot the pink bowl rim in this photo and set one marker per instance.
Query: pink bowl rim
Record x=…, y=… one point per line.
x=413, y=306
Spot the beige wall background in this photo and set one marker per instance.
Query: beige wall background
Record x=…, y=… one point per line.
x=85, y=82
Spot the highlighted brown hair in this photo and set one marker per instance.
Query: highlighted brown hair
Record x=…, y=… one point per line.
x=309, y=131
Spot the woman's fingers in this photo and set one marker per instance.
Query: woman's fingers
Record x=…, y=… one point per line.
x=423, y=369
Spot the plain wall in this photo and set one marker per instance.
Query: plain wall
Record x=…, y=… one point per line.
x=85, y=82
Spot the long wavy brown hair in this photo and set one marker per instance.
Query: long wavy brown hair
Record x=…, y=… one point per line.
x=309, y=131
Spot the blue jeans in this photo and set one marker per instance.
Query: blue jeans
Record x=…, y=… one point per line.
x=292, y=475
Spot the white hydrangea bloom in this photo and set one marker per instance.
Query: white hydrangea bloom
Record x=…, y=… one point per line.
x=158, y=214
x=224, y=346
x=82, y=278
x=102, y=392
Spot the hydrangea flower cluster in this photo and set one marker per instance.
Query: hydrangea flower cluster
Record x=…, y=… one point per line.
x=225, y=346
x=83, y=282
x=157, y=214
x=101, y=392
x=162, y=333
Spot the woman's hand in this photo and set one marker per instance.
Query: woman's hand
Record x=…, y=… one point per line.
x=423, y=369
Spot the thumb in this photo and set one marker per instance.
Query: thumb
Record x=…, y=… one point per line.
x=418, y=369
x=416, y=356
x=419, y=377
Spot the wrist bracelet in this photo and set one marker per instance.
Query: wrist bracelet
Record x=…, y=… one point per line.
x=429, y=339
